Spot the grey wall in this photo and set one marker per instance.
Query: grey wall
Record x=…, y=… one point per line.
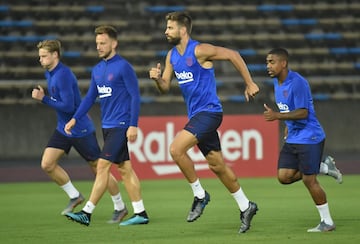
x=25, y=129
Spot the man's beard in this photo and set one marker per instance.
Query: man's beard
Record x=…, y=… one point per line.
x=174, y=41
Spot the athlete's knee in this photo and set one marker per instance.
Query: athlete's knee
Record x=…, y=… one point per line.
x=50, y=159
x=216, y=162
x=288, y=176
x=217, y=167
x=103, y=166
x=285, y=180
x=48, y=165
x=175, y=152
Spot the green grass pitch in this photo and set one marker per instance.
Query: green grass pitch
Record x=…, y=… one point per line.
x=30, y=213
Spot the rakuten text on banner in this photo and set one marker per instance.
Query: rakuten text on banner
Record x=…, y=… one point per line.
x=249, y=146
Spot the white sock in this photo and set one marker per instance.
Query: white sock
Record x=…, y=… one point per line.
x=118, y=202
x=197, y=189
x=324, y=169
x=241, y=199
x=325, y=213
x=138, y=206
x=70, y=190
x=89, y=207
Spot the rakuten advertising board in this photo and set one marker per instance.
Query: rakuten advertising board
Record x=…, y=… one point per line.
x=249, y=145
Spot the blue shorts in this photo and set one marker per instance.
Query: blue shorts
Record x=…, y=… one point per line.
x=303, y=157
x=115, y=145
x=87, y=146
x=203, y=126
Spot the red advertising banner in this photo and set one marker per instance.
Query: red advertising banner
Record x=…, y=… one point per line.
x=249, y=145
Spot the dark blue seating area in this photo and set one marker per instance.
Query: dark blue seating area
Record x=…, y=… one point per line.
x=345, y=50
x=29, y=38
x=15, y=23
x=95, y=9
x=322, y=37
x=289, y=22
x=164, y=8
x=275, y=7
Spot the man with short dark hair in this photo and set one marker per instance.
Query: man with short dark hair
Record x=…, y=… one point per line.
x=301, y=154
x=192, y=64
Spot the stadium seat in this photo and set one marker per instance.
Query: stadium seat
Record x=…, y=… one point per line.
x=8, y=38
x=71, y=54
x=247, y=52
x=275, y=7
x=164, y=8
x=321, y=96
x=322, y=36
x=4, y=8
x=95, y=9
x=14, y=23
x=299, y=21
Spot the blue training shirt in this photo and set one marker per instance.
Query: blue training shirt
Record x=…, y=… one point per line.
x=64, y=97
x=197, y=84
x=295, y=93
x=115, y=83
